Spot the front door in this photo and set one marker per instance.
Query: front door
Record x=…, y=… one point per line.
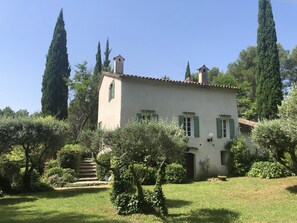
x=190, y=164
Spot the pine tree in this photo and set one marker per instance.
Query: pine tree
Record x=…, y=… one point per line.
x=106, y=63
x=98, y=66
x=188, y=71
x=269, y=86
x=57, y=71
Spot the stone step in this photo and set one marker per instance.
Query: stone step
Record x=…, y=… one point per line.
x=88, y=167
x=93, y=182
x=87, y=170
x=87, y=179
x=93, y=174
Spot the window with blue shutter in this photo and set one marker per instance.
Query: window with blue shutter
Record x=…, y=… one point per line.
x=196, y=127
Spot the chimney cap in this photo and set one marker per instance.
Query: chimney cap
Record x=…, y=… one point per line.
x=205, y=67
x=119, y=56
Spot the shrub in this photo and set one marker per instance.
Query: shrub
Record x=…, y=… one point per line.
x=175, y=173
x=59, y=177
x=268, y=170
x=102, y=172
x=69, y=156
x=51, y=164
x=9, y=169
x=240, y=160
x=5, y=187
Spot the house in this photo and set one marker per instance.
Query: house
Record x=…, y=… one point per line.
x=246, y=127
x=207, y=113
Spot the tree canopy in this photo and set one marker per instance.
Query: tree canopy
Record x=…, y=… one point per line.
x=269, y=85
x=54, y=99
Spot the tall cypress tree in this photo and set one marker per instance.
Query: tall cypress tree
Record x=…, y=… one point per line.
x=106, y=62
x=98, y=66
x=188, y=71
x=57, y=71
x=269, y=85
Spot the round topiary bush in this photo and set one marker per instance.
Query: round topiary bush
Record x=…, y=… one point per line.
x=175, y=173
x=268, y=170
x=69, y=156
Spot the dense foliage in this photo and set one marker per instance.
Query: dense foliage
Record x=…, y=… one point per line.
x=38, y=139
x=152, y=143
x=268, y=170
x=103, y=172
x=269, y=85
x=83, y=105
x=175, y=173
x=240, y=160
x=58, y=177
x=54, y=99
x=69, y=156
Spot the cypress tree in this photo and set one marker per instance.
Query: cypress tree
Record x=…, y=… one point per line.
x=106, y=62
x=269, y=86
x=188, y=72
x=57, y=71
x=98, y=66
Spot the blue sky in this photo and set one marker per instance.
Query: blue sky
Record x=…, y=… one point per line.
x=156, y=37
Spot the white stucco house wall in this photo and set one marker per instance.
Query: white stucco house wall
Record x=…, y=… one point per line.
x=208, y=113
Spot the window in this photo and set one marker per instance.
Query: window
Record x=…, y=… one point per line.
x=187, y=126
x=147, y=115
x=225, y=128
x=190, y=125
x=111, y=91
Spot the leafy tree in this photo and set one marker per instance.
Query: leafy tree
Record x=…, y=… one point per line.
x=106, y=63
x=38, y=138
x=8, y=112
x=84, y=86
x=54, y=99
x=269, y=85
x=280, y=136
x=290, y=68
x=188, y=71
x=166, y=78
x=225, y=80
x=147, y=143
x=98, y=66
x=212, y=74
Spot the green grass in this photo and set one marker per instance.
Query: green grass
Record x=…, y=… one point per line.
x=236, y=200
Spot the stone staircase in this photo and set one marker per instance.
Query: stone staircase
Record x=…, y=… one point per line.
x=87, y=174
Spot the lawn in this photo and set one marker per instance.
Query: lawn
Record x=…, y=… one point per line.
x=237, y=200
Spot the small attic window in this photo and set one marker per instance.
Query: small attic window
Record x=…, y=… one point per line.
x=111, y=91
x=204, y=70
x=119, y=60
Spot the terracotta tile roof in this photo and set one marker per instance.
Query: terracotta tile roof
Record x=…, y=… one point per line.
x=244, y=121
x=188, y=83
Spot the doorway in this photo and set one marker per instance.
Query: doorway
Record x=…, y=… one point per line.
x=190, y=165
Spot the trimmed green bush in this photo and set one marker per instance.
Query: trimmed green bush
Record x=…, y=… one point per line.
x=58, y=177
x=268, y=170
x=175, y=173
x=69, y=156
x=101, y=171
x=240, y=160
x=51, y=164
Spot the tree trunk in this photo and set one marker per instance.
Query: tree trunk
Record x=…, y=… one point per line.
x=27, y=174
x=138, y=186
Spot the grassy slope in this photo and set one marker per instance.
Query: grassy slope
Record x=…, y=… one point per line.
x=237, y=200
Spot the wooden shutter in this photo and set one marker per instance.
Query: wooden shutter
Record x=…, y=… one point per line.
x=155, y=117
x=232, y=129
x=219, y=128
x=139, y=117
x=196, y=127
x=181, y=120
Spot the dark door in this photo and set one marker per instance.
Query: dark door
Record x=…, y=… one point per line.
x=190, y=158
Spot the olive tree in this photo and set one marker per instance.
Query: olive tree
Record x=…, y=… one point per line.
x=146, y=142
x=280, y=136
x=37, y=136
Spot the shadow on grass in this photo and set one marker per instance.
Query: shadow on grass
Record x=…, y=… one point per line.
x=13, y=214
x=171, y=203
x=292, y=189
x=16, y=200
x=206, y=215
x=68, y=193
